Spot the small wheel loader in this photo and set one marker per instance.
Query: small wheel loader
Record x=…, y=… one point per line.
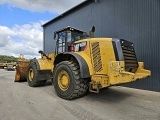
x=3, y=65
x=82, y=63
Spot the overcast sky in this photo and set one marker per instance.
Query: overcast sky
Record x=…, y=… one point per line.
x=20, y=24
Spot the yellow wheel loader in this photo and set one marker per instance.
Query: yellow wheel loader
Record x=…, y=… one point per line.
x=21, y=69
x=3, y=65
x=81, y=62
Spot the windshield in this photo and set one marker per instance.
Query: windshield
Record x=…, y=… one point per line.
x=74, y=36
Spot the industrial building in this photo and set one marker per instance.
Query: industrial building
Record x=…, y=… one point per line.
x=135, y=20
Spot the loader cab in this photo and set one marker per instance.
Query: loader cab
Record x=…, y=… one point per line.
x=65, y=38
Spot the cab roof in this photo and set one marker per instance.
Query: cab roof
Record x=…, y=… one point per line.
x=69, y=28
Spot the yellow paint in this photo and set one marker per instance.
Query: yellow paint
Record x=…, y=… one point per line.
x=106, y=52
x=63, y=80
x=101, y=80
x=46, y=64
x=118, y=75
x=88, y=61
x=31, y=74
x=112, y=72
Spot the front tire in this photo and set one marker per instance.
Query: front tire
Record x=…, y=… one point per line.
x=32, y=76
x=67, y=82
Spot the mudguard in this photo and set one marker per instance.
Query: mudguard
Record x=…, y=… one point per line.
x=84, y=70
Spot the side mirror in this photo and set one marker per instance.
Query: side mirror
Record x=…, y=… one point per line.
x=41, y=52
x=91, y=32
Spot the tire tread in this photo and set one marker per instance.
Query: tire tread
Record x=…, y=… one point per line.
x=35, y=83
x=80, y=86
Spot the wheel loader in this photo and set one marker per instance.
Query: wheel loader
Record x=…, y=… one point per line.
x=3, y=64
x=82, y=63
x=21, y=69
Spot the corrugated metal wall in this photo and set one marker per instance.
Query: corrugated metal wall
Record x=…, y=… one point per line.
x=145, y=32
x=134, y=20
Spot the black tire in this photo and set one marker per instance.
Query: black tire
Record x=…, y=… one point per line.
x=77, y=86
x=32, y=81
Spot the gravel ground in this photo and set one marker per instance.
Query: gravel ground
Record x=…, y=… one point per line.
x=18, y=101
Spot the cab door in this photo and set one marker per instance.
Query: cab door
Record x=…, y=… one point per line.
x=61, y=43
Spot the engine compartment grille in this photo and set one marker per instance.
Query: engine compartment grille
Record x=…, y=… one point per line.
x=129, y=55
x=96, y=56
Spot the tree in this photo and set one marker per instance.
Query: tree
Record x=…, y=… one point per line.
x=4, y=58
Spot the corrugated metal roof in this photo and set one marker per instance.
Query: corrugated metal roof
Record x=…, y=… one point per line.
x=86, y=2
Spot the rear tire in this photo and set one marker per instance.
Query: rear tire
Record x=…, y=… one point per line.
x=32, y=76
x=67, y=82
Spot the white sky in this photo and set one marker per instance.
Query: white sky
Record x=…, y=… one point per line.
x=27, y=39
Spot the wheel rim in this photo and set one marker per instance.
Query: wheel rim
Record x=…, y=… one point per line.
x=31, y=74
x=63, y=80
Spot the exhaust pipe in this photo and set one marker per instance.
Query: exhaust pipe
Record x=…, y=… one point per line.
x=91, y=32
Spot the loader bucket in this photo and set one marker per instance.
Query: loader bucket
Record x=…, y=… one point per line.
x=21, y=71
